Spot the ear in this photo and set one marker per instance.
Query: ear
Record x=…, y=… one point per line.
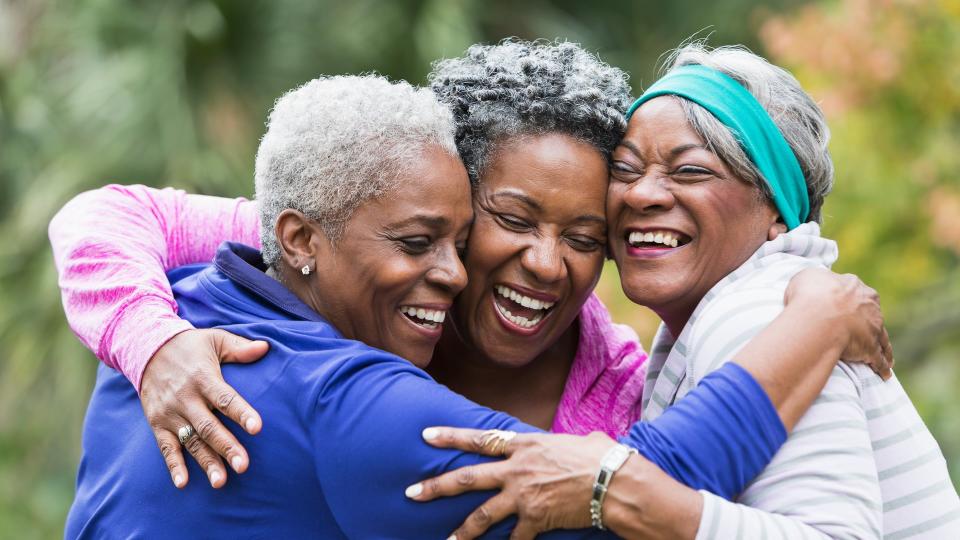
x=302, y=241
x=776, y=229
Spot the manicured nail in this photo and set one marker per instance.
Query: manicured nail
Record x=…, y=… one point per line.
x=452, y=537
x=214, y=477
x=249, y=424
x=430, y=433
x=235, y=461
x=178, y=480
x=414, y=490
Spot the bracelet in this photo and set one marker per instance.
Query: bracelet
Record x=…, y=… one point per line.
x=611, y=462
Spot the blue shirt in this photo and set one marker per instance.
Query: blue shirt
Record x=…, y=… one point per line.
x=341, y=433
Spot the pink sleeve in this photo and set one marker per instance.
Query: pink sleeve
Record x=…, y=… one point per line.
x=112, y=247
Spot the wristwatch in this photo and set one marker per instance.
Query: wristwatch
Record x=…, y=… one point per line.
x=611, y=462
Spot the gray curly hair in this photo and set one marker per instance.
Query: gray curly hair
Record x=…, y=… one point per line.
x=336, y=142
x=529, y=88
x=793, y=111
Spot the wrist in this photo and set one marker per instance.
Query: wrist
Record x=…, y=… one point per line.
x=610, y=464
x=645, y=502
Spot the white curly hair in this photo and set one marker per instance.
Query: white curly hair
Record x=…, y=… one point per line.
x=336, y=142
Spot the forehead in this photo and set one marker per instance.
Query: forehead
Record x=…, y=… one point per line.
x=660, y=121
x=553, y=168
x=435, y=183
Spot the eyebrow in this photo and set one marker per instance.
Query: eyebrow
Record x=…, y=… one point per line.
x=435, y=222
x=632, y=147
x=673, y=153
x=684, y=147
x=518, y=196
x=538, y=207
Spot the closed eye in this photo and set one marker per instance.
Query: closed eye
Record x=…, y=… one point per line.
x=415, y=245
x=623, y=172
x=692, y=170
x=584, y=243
x=512, y=222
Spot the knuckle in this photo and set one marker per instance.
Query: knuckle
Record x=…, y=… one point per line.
x=476, y=442
x=225, y=398
x=535, y=511
x=466, y=476
x=194, y=446
x=206, y=429
x=167, y=450
x=482, y=516
x=432, y=486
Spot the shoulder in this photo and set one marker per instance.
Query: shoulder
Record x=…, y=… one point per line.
x=602, y=340
x=605, y=383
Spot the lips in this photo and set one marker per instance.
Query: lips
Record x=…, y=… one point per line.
x=656, y=238
x=426, y=318
x=654, y=242
x=522, y=310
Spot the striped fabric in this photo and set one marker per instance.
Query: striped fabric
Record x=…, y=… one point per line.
x=859, y=464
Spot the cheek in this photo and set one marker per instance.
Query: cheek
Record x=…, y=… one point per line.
x=395, y=276
x=490, y=247
x=614, y=199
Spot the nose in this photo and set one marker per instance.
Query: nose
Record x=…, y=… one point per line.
x=650, y=194
x=449, y=272
x=544, y=261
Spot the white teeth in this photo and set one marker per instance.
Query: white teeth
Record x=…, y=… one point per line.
x=524, y=301
x=518, y=320
x=660, y=237
x=430, y=317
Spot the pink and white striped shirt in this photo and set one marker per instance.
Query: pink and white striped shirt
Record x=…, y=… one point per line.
x=112, y=247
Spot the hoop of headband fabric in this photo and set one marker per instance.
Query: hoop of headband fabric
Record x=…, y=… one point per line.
x=739, y=110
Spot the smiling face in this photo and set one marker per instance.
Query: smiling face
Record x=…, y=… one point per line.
x=680, y=221
x=536, y=247
x=395, y=270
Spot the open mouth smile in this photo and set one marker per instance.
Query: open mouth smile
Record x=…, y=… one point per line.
x=424, y=318
x=519, y=312
x=654, y=242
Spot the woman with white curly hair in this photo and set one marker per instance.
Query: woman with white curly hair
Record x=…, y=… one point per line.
x=535, y=123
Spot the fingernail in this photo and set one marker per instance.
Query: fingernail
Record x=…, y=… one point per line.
x=235, y=461
x=178, y=480
x=214, y=477
x=430, y=433
x=452, y=537
x=249, y=424
x=414, y=490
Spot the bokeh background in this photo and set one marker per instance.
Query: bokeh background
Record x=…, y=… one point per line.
x=176, y=93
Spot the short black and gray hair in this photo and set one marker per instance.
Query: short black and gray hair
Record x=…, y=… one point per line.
x=795, y=113
x=336, y=142
x=518, y=88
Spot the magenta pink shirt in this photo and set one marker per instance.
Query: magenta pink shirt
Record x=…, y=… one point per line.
x=113, y=246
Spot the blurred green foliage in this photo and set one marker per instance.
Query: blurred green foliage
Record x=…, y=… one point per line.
x=175, y=93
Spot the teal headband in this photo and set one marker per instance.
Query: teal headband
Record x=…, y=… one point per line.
x=759, y=137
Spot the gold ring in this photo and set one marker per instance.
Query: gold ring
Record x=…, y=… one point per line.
x=494, y=441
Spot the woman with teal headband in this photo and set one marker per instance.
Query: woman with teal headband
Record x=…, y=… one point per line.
x=728, y=156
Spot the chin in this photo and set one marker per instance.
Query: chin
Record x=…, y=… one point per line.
x=508, y=358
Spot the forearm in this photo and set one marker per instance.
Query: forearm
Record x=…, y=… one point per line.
x=719, y=437
x=792, y=358
x=112, y=247
x=644, y=502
